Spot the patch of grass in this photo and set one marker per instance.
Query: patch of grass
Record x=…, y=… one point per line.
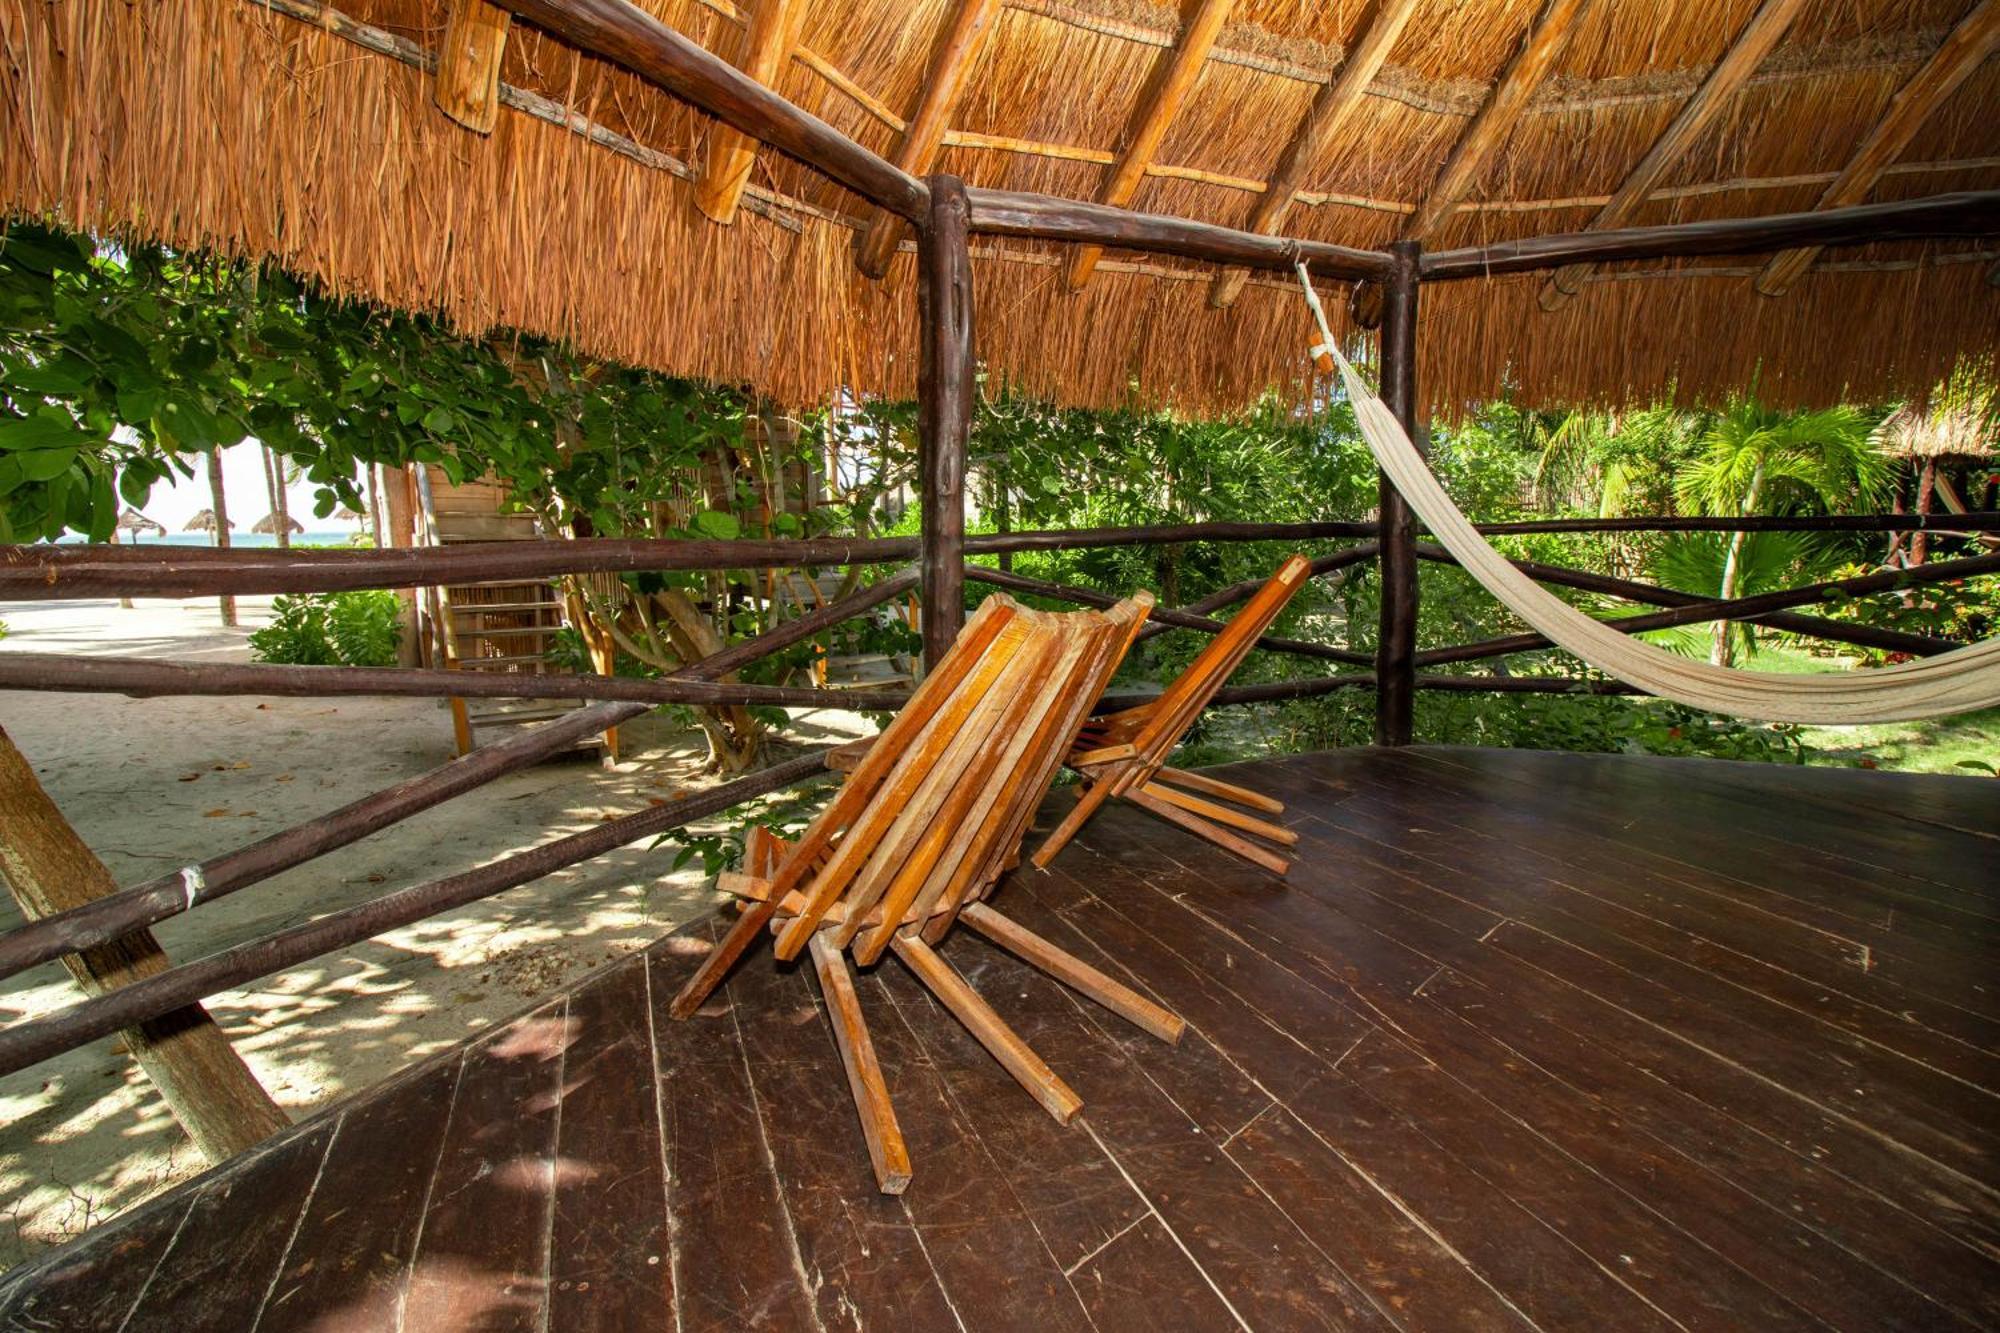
x=1946, y=745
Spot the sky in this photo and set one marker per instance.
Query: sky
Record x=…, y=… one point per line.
x=172, y=505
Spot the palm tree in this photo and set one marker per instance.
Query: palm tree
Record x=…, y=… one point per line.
x=1754, y=458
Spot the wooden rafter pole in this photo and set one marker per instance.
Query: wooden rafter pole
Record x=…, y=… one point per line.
x=957, y=50
x=1329, y=114
x=466, y=86
x=773, y=31
x=1539, y=54
x=1172, y=81
x=1963, y=50
x=186, y=1056
x=1742, y=59
x=945, y=388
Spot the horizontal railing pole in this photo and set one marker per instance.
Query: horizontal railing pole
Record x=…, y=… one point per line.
x=171, y=894
x=1524, y=685
x=48, y=572
x=27, y=1043
x=1253, y=694
x=1168, y=616
x=1984, y=520
x=1740, y=608
x=149, y=677
x=1047, y=217
x=634, y=40
x=1865, y=636
x=1237, y=592
x=1969, y=213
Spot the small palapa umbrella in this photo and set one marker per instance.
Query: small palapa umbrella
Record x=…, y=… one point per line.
x=269, y=523
x=135, y=522
x=202, y=522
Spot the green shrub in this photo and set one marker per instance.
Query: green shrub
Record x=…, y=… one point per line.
x=331, y=629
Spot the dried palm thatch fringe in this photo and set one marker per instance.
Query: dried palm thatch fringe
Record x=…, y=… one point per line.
x=1964, y=431
x=224, y=124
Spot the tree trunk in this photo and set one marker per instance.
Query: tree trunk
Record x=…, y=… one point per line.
x=1723, y=651
x=1920, y=541
x=375, y=505
x=220, y=508
x=279, y=505
x=49, y=869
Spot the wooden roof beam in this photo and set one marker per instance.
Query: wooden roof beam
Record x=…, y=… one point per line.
x=957, y=50
x=1752, y=44
x=1540, y=51
x=1173, y=81
x=1963, y=50
x=627, y=36
x=466, y=86
x=768, y=43
x=1329, y=114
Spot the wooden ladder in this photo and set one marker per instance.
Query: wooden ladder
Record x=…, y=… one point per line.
x=498, y=625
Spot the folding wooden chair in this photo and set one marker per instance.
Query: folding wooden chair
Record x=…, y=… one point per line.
x=931, y=815
x=1125, y=753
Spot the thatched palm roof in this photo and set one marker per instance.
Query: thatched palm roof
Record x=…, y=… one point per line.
x=269, y=523
x=1958, y=433
x=308, y=132
x=203, y=521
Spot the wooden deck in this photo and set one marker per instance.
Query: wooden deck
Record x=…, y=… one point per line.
x=1528, y=1041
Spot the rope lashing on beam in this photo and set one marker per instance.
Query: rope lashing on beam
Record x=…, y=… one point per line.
x=1955, y=682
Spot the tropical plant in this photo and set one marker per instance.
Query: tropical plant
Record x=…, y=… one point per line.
x=1756, y=459
x=331, y=629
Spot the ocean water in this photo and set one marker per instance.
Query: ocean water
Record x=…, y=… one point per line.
x=334, y=537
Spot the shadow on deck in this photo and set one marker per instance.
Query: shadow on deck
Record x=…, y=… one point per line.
x=1528, y=1041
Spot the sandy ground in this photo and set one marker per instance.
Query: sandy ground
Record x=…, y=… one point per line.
x=155, y=784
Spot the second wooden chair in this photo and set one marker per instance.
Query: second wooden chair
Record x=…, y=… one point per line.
x=1125, y=753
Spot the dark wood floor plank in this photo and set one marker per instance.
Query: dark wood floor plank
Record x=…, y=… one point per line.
x=1587, y=1185
x=735, y=1263
x=1929, y=860
x=1902, y=1063
x=482, y=1258
x=1664, y=1062
x=979, y=1235
x=94, y=1285
x=350, y=1257
x=862, y=1256
x=1860, y=1229
x=1555, y=1284
x=1735, y=945
x=1270, y=1273
x=235, y=1235
x=1731, y=844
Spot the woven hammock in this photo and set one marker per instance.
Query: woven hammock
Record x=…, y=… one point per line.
x=1958, y=681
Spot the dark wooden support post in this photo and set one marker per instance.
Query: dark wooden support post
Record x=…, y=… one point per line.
x=945, y=387
x=1396, y=640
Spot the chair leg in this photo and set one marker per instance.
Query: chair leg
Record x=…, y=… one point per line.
x=1001, y=1041
x=886, y=1151
x=1228, y=791
x=1073, y=972
x=716, y=966
x=1222, y=814
x=1093, y=795
x=1214, y=833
